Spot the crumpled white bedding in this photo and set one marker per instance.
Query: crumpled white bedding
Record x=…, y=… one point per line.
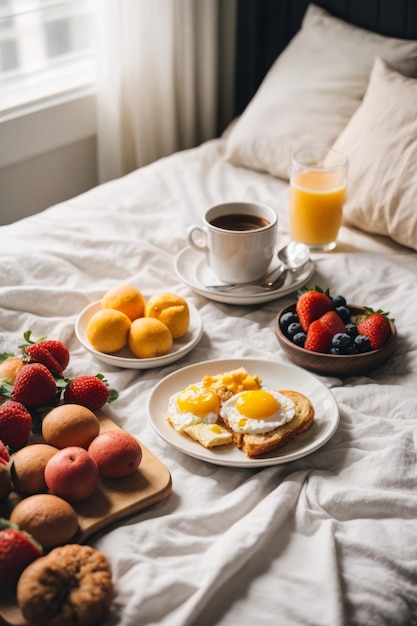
x=326, y=540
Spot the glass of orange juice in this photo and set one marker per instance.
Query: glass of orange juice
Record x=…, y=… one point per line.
x=317, y=193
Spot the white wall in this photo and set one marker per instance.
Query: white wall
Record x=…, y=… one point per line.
x=41, y=181
x=47, y=156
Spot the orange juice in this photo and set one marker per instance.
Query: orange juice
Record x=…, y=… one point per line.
x=317, y=198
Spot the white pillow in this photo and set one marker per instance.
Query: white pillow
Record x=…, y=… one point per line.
x=381, y=142
x=311, y=91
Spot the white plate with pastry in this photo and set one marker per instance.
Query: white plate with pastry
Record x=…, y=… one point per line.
x=273, y=375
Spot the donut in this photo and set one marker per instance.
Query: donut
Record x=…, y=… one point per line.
x=70, y=586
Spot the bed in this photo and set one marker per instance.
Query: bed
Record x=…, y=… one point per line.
x=323, y=538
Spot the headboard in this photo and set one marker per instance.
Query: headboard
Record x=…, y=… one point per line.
x=264, y=27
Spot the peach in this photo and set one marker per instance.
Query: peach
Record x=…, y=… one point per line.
x=10, y=367
x=72, y=474
x=116, y=452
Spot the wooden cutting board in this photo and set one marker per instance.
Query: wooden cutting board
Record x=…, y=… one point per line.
x=113, y=500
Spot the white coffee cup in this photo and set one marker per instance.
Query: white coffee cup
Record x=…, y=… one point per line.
x=238, y=240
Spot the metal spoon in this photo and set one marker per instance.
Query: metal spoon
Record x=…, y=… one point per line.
x=293, y=257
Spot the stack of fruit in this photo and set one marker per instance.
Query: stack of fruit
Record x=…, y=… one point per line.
x=41, y=477
x=325, y=324
x=147, y=327
x=34, y=382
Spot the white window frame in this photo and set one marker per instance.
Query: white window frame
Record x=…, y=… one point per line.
x=43, y=119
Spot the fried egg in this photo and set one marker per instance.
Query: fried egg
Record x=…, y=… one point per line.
x=195, y=404
x=257, y=411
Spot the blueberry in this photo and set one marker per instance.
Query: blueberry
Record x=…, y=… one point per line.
x=286, y=319
x=344, y=313
x=336, y=351
x=343, y=352
x=342, y=341
x=338, y=300
x=293, y=329
x=352, y=330
x=351, y=349
x=362, y=344
x=300, y=338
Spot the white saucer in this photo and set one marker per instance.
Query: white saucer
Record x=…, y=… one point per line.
x=193, y=270
x=124, y=358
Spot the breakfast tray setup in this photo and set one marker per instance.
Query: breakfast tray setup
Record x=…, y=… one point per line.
x=322, y=529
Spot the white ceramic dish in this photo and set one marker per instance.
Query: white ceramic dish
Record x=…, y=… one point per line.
x=124, y=358
x=276, y=375
x=192, y=269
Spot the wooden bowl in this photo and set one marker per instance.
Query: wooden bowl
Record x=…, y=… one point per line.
x=331, y=364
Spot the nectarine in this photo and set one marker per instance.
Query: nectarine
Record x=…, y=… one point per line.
x=116, y=452
x=72, y=474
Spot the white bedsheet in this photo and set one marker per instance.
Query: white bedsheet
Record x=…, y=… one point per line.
x=327, y=540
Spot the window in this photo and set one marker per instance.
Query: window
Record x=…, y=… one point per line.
x=47, y=48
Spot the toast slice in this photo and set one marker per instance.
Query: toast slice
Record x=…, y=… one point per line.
x=255, y=445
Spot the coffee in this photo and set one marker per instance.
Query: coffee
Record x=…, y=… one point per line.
x=239, y=221
x=237, y=240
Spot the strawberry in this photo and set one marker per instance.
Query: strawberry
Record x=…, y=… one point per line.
x=34, y=385
x=39, y=354
x=5, y=476
x=334, y=322
x=17, y=550
x=4, y=454
x=311, y=305
x=5, y=481
x=375, y=325
x=58, y=350
x=15, y=424
x=50, y=352
x=89, y=391
x=319, y=337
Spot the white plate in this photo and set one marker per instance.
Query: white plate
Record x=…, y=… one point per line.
x=193, y=270
x=276, y=375
x=124, y=358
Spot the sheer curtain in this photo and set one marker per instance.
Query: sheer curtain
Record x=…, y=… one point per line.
x=158, y=77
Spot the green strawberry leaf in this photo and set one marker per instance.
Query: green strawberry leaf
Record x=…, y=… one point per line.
x=113, y=395
x=61, y=382
x=6, y=389
x=370, y=311
x=5, y=524
x=29, y=341
x=313, y=288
